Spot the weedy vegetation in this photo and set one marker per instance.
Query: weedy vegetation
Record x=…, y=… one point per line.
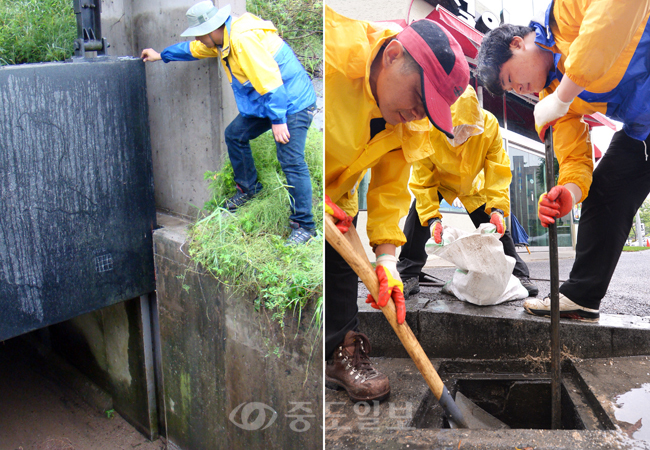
x=299, y=24
x=36, y=31
x=245, y=250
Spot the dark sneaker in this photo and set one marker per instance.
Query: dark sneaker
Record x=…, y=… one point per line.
x=299, y=235
x=350, y=369
x=529, y=285
x=411, y=287
x=237, y=200
x=568, y=309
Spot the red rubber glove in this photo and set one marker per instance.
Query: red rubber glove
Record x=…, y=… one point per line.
x=436, y=230
x=557, y=203
x=542, y=131
x=390, y=286
x=496, y=218
x=343, y=221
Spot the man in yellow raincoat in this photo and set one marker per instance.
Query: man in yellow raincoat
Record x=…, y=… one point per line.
x=472, y=167
x=381, y=84
x=584, y=57
x=272, y=91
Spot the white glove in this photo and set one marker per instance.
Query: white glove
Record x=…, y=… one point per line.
x=549, y=109
x=457, y=203
x=390, y=263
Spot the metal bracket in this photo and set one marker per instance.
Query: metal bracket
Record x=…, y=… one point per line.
x=89, y=28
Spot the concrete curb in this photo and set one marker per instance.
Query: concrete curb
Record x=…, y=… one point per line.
x=454, y=329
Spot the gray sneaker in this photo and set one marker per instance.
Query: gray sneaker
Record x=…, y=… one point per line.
x=299, y=235
x=411, y=287
x=237, y=200
x=568, y=309
x=529, y=285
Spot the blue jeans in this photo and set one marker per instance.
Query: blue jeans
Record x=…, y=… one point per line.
x=291, y=157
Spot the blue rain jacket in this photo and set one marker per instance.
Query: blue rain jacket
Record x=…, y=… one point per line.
x=603, y=46
x=266, y=77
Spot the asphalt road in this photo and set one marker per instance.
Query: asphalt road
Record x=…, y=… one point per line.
x=628, y=293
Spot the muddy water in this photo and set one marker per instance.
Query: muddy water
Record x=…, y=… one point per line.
x=633, y=407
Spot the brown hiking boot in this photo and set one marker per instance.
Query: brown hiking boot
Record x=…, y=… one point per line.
x=351, y=369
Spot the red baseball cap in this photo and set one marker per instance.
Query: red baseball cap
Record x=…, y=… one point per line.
x=445, y=72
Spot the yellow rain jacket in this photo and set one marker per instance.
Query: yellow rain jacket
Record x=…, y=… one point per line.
x=603, y=46
x=350, y=48
x=476, y=171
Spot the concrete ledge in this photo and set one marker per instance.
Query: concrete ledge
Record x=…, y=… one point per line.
x=390, y=424
x=482, y=439
x=455, y=329
x=226, y=366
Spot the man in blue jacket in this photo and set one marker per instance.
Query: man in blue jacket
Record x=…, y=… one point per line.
x=583, y=57
x=272, y=91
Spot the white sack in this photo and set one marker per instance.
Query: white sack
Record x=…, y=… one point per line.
x=484, y=273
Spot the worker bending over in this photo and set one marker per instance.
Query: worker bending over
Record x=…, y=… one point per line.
x=382, y=83
x=472, y=167
x=584, y=57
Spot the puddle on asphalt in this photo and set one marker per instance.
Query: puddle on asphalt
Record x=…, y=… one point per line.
x=633, y=407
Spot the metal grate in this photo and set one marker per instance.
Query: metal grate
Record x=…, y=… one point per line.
x=104, y=263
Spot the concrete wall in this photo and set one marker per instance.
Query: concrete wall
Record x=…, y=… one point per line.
x=190, y=103
x=113, y=348
x=225, y=365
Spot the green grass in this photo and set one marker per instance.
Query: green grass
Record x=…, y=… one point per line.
x=634, y=249
x=299, y=23
x=246, y=250
x=36, y=31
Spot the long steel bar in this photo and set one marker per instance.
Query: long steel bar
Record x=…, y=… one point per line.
x=556, y=381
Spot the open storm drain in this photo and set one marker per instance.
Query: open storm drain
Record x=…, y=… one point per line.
x=520, y=399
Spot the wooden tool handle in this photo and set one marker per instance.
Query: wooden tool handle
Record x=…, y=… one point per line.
x=346, y=246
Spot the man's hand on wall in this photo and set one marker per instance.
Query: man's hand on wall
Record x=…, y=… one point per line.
x=281, y=133
x=149, y=54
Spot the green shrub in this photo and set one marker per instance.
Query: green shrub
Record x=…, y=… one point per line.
x=36, y=31
x=246, y=250
x=299, y=23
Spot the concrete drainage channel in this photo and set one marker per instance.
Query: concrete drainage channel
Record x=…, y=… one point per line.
x=498, y=357
x=517, y=393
